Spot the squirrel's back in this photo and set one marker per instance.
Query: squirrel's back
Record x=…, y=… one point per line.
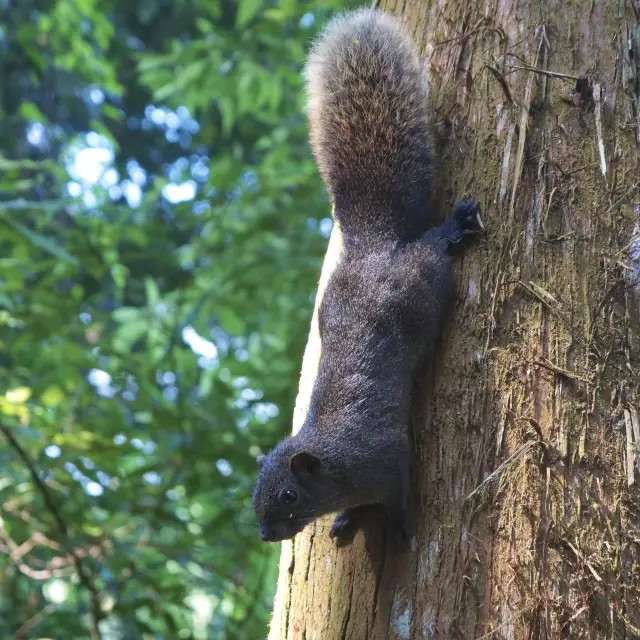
x=369, y=127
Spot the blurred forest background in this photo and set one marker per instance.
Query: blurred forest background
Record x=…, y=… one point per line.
x=162, y=228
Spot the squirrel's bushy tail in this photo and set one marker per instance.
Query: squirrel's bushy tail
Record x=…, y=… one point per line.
x=369, y=126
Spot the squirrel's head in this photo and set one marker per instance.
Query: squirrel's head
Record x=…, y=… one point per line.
x=294, y=487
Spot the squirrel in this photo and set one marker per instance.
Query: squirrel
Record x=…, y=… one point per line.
x=383, y=308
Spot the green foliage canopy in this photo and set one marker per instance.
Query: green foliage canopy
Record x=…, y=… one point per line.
x=162, y=227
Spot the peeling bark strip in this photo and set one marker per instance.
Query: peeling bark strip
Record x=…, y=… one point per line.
x=533, y=415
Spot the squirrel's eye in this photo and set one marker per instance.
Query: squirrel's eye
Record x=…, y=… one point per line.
x=288, y=496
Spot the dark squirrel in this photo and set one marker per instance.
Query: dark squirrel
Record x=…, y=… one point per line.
x=382, y=311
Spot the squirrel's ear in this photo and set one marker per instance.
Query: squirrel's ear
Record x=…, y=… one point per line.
x=304, y=462
x=260, y=458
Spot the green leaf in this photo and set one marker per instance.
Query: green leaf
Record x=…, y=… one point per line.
x=19, y=395
x=230, y=321
x=30, y=111
x=52, y=396
x=246, y=11
x=128, y=334
x=126, y=314
x=153, y=293
x=48, y=244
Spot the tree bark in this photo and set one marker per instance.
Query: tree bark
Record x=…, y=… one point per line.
x=527, y=465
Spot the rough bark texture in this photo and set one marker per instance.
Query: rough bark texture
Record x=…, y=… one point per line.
x=527, y=499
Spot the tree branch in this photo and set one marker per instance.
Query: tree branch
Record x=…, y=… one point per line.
x=84, y=576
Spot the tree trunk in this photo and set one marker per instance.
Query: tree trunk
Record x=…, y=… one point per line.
x=526, y=506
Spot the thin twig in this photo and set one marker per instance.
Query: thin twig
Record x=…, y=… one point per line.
x=475, y=29
x=597, y=95
x=522, y=133
x=504, y=177
x=631, y=455
x=517, y=454
x=85, y=579
x=33, y=621
x=503, y=83
x=15, y=553
x=542, y=296
x=544, y=72
x=622, y=197
x=571, y=375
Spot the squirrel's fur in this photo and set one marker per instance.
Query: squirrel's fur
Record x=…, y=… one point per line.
x=369, y=128
x=382, y=310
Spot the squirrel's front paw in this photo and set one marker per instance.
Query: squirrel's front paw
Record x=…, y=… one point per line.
x=465, y=219
x=345, y=526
